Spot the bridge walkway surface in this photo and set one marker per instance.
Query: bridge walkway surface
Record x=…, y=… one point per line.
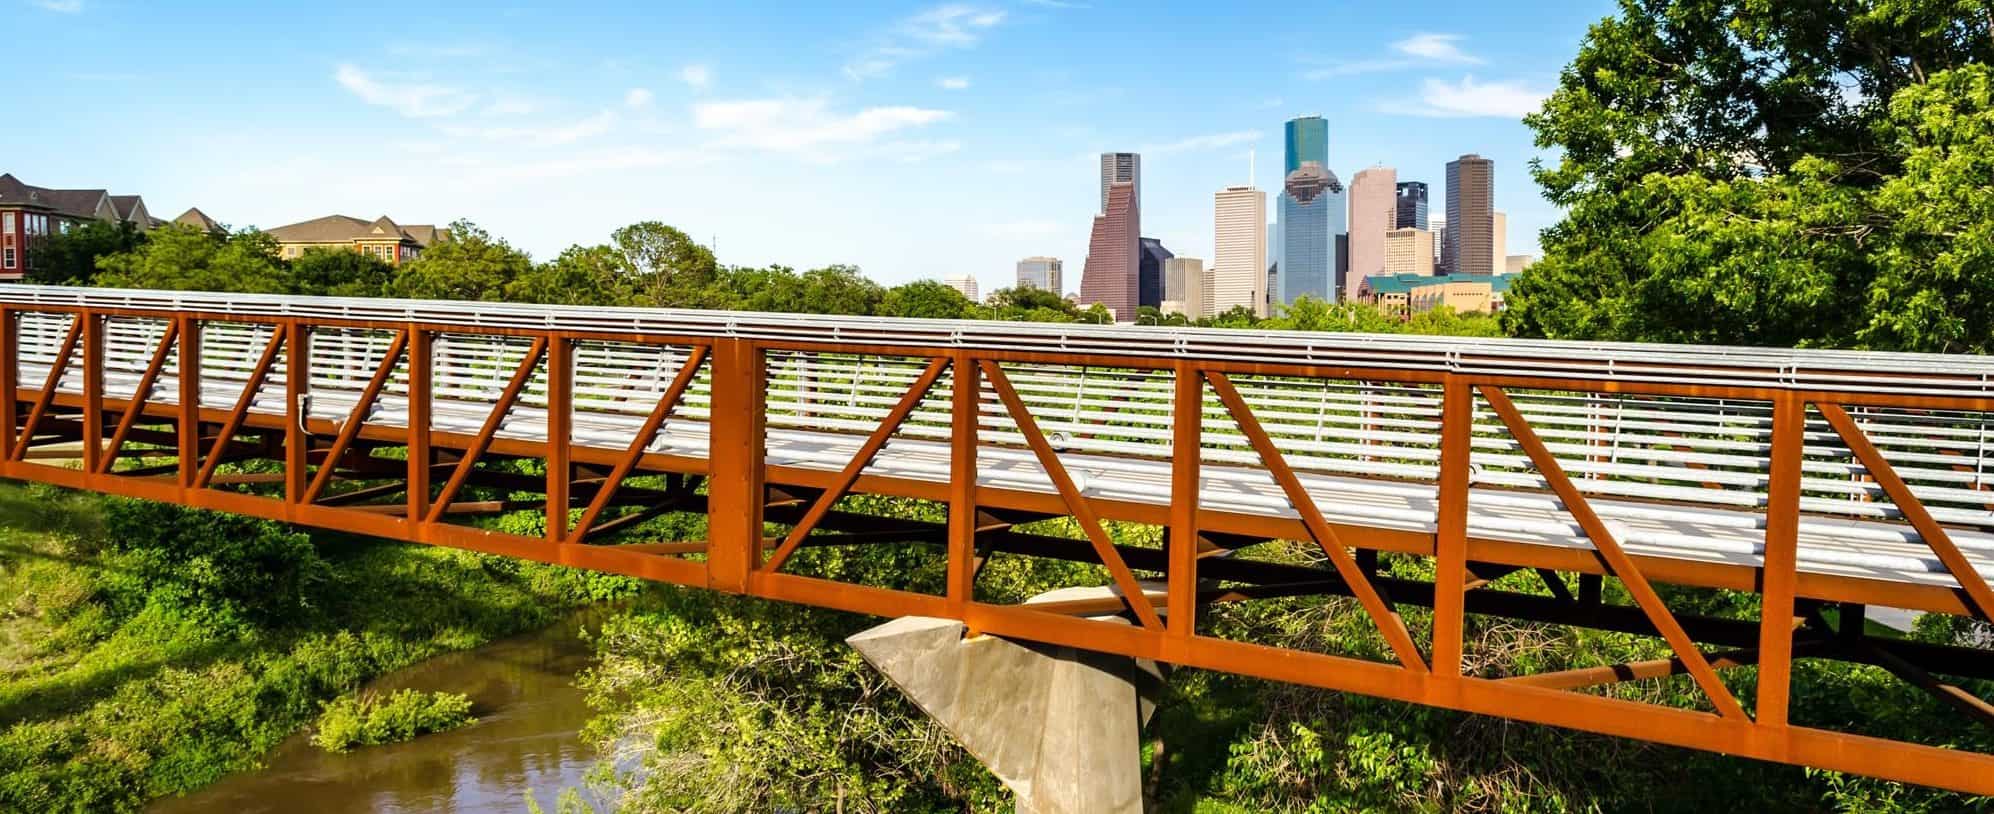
x=1824, y=481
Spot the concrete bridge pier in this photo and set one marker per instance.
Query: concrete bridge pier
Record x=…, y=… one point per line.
x=1059, y=726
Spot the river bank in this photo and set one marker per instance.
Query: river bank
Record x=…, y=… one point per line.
x=524, y=744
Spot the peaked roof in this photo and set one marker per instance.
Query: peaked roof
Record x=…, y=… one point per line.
x=345, y=229
x=75, y=203
x=197, y=219
x=127, y=205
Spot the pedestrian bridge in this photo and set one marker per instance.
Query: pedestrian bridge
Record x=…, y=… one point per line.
x=1435, y=481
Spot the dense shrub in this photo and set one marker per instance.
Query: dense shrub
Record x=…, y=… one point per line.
x=368, y=719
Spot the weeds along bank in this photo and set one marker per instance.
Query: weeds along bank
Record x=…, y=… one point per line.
x=149, y=650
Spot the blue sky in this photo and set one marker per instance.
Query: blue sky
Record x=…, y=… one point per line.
x=911, y=139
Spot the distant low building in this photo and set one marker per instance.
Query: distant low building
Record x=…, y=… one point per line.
x=1516, y=263
x=965, y=283
x=1405, y=295
x=29, y=215
x=381, y=237
x=1408, y=251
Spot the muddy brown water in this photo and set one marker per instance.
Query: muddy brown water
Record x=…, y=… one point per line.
x=529, y=711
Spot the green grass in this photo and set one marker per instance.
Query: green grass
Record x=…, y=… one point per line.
x=147, y=650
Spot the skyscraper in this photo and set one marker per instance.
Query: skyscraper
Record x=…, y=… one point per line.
x=1312, y=216
x=1499, y=255
x=1310, y=211
x=1149, y=273
x=1373, y=212
x=1470, y=240
x=1043, y=273
x=1117, y=168
x=1412, y=206
x=1239, y=259
x=965, y=283
x=1184, y=287
x=1114, y=251
x=1308, y=140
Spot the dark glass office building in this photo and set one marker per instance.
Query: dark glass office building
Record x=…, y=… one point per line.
x=1412, y=206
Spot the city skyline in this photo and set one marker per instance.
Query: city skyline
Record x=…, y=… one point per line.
x=551, y=129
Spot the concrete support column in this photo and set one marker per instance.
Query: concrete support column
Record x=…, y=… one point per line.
x=1059, y=726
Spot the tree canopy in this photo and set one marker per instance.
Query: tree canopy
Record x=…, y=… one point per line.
x=180, y=258
x=1795, y=174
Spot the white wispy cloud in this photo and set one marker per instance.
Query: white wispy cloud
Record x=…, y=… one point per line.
x=698, y=77
x=942, y=28
x=637, y=98
x=1210, y=141
x=415, y=99
x=953, y=83
x=511, y=106
x=799, y=125
x=1055, y=4
x=1418, y=50
x=1439, y=98
x=61, y=6
x=545, y=135
x=1431, y=47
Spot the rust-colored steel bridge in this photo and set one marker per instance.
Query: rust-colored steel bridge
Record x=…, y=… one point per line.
x=1527, y=477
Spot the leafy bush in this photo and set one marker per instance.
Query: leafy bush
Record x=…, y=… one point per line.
x=369, y=719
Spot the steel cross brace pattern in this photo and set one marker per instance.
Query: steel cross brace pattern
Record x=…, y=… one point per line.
x=740, y=480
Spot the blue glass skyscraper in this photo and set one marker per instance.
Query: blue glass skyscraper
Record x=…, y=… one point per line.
x=1308, y=140
x=1310, y=213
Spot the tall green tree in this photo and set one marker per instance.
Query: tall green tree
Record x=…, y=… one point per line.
x=70, y=258
x=666, y=265
x=925, y=299
x=471, y=265
x=592, y=275
x=1767, y=173
x=180, y=258
x=339, y=273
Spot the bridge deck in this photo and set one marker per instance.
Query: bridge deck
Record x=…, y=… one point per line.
x=1812, y=478
x=1700, y=503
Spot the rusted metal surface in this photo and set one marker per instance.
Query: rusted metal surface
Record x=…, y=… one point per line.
x=164, y=443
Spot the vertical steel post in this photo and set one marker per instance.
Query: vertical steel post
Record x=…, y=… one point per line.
x=93, y=388
x=560, y=420
x=421, y=361
x=1187, y=417
x=10, y=378
x=297, y=381
x=965, y=406
x=1779, y=573
x=189, y=428
x=736, y=458
x=1450, y=540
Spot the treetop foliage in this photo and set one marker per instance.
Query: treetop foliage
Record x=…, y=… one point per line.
x=1793, y=174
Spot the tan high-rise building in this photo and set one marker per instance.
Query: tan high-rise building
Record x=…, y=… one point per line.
x=1408, y=251
x=964, y=283
x=1470, y=242
x=1374, y=209
x=1184, y=287
x=1239, y=255
x=1499, y=255
x=1043, y=273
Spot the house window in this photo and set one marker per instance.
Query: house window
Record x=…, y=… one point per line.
x=7, y=223
x=7, y=261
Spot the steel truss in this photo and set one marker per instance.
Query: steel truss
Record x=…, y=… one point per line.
x=408, y=483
